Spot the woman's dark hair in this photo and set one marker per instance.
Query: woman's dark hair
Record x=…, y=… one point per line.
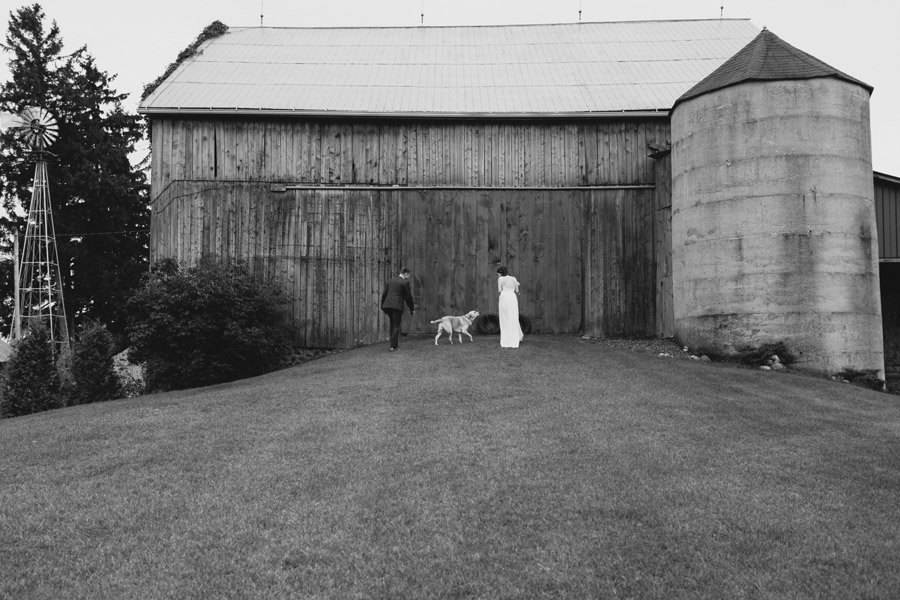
x=502, y=270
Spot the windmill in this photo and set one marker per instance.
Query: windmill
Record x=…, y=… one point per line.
x=39, y=290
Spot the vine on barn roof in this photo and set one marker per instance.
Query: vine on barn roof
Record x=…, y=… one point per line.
x=213, y=30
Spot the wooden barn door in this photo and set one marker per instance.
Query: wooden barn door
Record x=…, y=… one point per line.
x=620, y=292
x=339, y=247
x=453, y=240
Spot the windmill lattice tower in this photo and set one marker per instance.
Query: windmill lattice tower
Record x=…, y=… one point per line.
x=40, y=290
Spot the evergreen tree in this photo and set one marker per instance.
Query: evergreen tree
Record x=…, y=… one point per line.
x=100, y=207
x=93, y=374
x=30, y=381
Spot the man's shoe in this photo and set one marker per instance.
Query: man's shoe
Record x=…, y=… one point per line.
x=392, y=349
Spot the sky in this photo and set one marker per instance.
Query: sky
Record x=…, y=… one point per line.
x=136, y=41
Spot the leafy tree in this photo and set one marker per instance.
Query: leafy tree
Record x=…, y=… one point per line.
x=93, y=374
x=100, y=206
x=30, y=381
x=205, y=324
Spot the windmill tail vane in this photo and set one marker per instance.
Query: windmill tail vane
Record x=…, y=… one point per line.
x=39, y=286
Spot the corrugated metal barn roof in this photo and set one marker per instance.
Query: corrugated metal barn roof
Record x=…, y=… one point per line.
x=506, y=70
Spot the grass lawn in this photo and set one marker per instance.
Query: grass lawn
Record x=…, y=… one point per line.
x=563, y=469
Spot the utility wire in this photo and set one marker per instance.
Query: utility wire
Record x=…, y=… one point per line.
x=101, y=233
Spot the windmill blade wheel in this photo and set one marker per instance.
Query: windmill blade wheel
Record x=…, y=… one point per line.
x=42, y=128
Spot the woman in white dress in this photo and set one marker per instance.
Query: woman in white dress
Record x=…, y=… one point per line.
x=510, y=329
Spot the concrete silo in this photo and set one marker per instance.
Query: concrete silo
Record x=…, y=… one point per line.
x=773, y=221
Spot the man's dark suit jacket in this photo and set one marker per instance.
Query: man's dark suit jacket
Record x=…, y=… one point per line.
x=396, y=292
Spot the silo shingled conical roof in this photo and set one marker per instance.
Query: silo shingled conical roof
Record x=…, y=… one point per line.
x=766, y=58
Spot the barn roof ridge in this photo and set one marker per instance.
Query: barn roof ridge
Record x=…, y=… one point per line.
x=485, y=25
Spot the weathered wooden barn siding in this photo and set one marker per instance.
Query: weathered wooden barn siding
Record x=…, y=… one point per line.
x=405, y=153
x=887, y=213
x=451, y=200
x=662, y=235
x=332, y=250
x=620, y=290
x=887, y=218
x=455, y=239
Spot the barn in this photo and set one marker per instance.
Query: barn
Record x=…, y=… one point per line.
x=887, y=212
x=327, y=158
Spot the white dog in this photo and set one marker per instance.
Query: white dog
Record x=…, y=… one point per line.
x=457, y=324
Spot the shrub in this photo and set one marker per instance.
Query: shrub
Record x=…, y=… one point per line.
x=93, y=377
x=132, y=387
x=30, y=382
x=131, y=377
x=64, y=370
x=206, y=324
x=867, y=378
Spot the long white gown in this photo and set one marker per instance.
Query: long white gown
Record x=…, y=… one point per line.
x=510, y=329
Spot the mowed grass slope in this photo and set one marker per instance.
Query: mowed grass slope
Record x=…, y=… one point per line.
x=563, y=469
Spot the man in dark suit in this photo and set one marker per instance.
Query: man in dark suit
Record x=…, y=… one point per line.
x=396, y=293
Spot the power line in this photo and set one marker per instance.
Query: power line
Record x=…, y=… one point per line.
x=101, y=233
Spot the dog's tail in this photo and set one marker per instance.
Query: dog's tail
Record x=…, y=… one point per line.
x=437, y=321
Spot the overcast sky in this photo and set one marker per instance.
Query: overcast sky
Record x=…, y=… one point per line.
x=136, y=41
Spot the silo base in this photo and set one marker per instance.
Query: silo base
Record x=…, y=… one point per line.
x=819, y=342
